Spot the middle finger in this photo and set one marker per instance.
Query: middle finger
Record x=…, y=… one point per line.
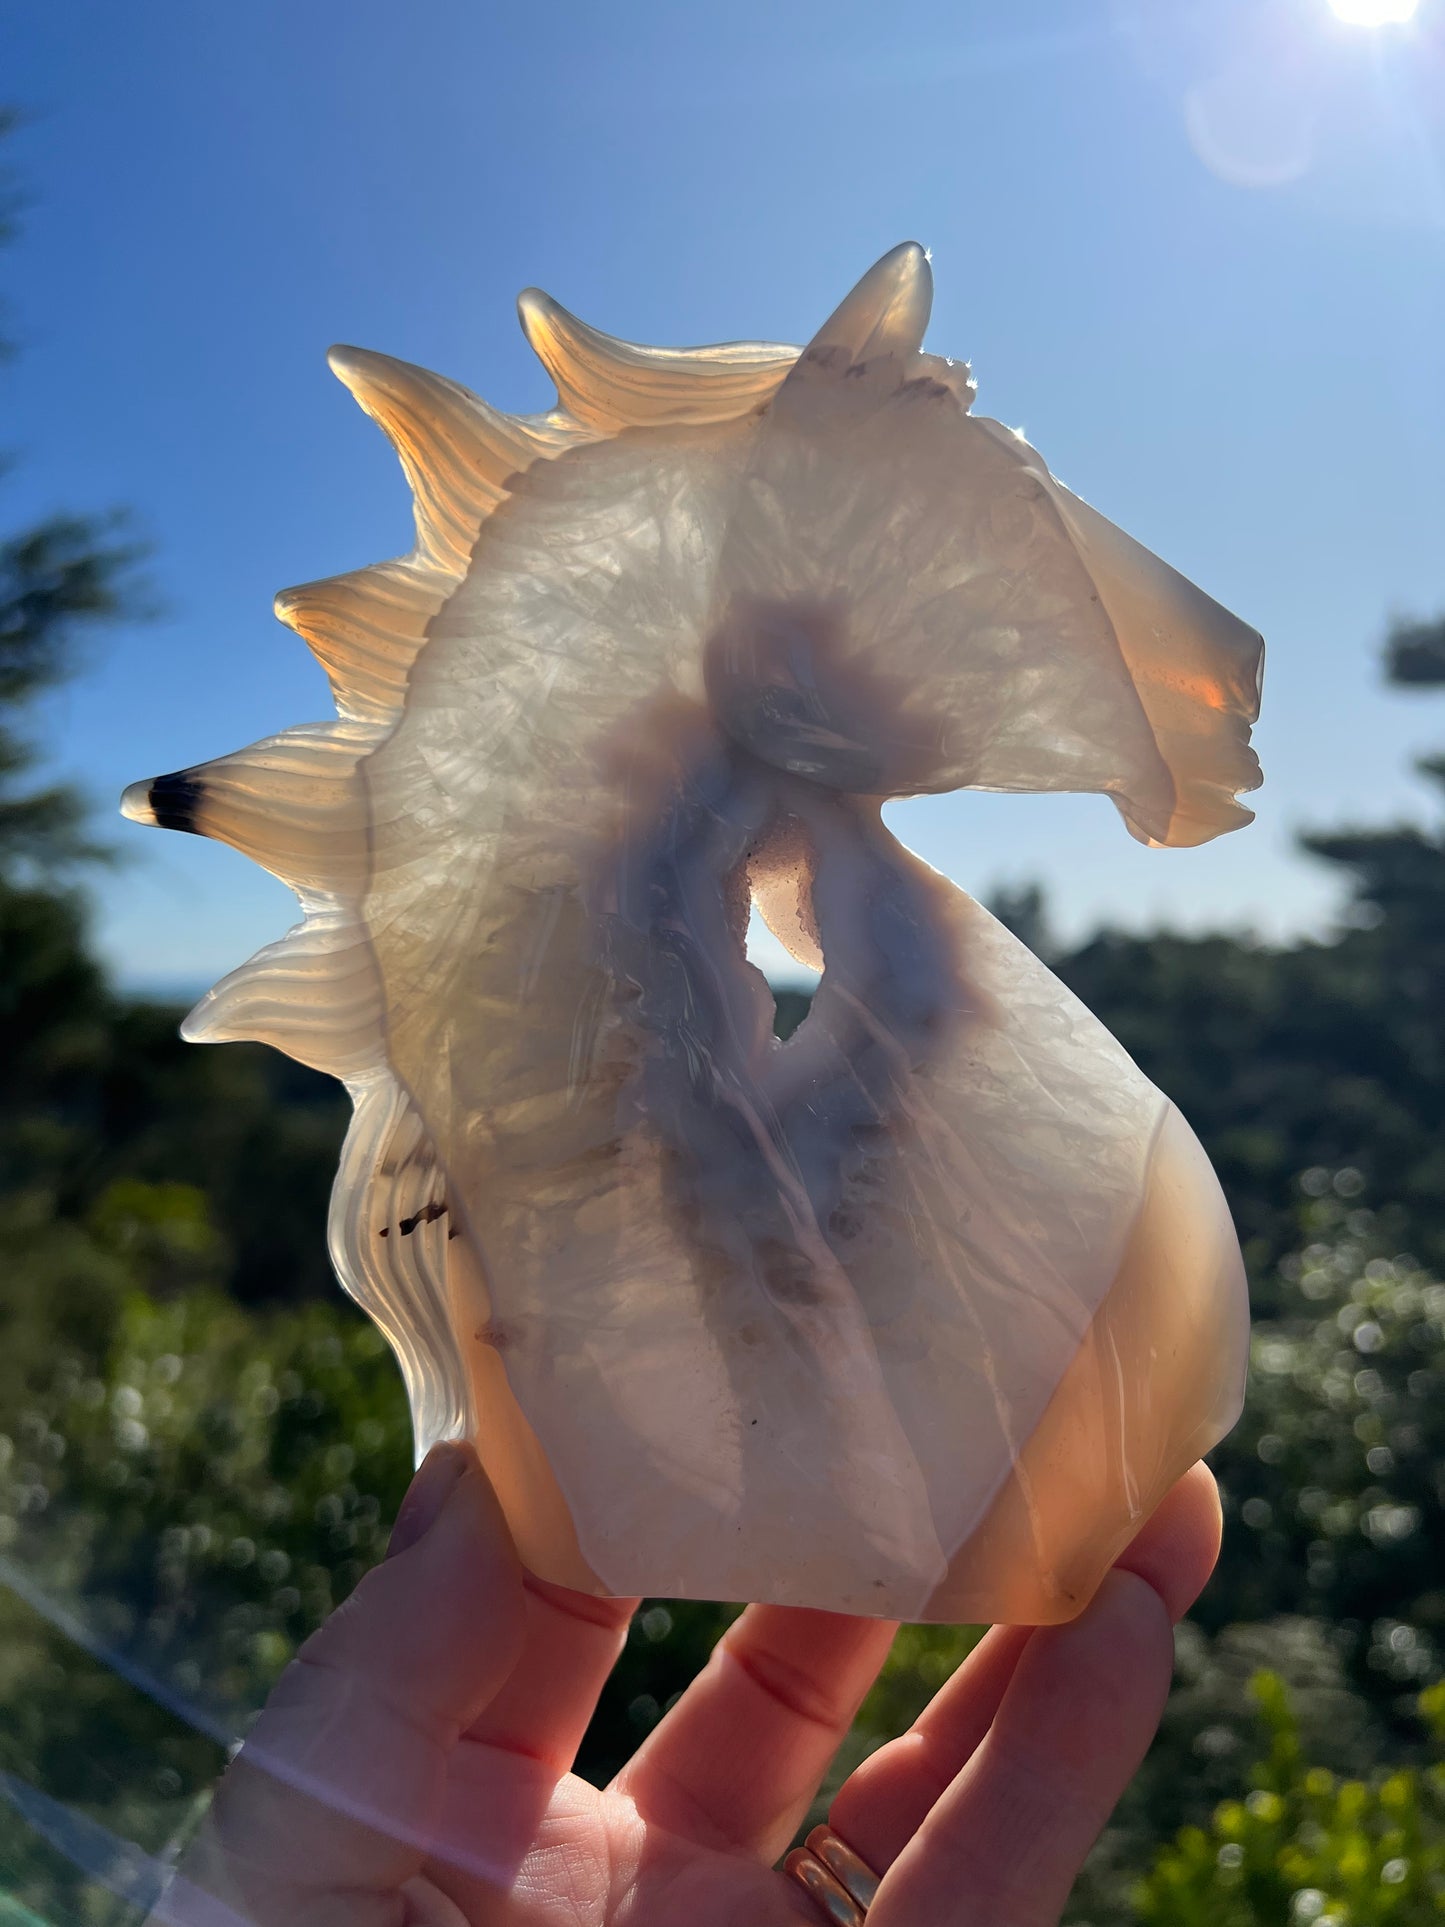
x=740, y=1756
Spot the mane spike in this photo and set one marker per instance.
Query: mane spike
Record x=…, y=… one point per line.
x=458, y=454
x=316, y=994
x=887, y=312
x=290, y=802
x=609, y=384
x=366, y=629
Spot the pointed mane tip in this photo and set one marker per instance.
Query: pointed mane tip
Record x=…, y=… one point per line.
x=169, y=802
x=135, y=802
x=535, y=309
x=352, y=365
x=918, y=261
x=910, y=260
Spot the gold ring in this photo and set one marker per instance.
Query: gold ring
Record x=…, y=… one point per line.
x=841, y=1885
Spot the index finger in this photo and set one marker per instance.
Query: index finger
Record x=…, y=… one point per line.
x=739, y=1758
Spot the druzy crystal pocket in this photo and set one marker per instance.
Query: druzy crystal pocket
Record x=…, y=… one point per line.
x=918, y=1313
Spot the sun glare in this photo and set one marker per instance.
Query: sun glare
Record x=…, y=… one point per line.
x=1374, y=13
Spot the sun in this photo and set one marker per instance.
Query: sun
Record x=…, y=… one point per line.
x=1374, y=13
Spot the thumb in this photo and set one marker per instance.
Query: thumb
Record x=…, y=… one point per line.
x=331, y=1805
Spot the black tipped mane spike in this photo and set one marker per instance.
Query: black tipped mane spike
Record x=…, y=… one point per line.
x=176, y=800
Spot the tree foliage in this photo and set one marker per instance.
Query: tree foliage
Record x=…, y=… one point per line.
x=1415, y=652
x=57, y=580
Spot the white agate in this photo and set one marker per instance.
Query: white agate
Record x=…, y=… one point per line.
x=917, y=1314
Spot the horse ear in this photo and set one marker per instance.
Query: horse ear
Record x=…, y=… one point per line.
x=886, y=313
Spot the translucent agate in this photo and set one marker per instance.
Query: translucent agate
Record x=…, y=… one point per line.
x=918, y=1313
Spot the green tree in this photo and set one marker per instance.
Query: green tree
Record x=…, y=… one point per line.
x=57, y=580
x=1415, y=652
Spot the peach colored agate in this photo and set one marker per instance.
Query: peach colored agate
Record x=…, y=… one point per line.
x=919, y=1313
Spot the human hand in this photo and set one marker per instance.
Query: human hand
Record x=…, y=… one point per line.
x=412, y=1767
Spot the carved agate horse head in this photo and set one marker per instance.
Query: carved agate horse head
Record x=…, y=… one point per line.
x=917, y=1313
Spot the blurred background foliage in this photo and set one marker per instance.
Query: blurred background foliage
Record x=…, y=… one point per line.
x=202, y=1444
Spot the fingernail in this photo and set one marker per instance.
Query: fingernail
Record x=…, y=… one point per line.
x=428, y=1492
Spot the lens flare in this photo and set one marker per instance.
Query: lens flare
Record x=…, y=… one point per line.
x=1374, y=13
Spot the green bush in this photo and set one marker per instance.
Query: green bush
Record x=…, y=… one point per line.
x=1304, y=1845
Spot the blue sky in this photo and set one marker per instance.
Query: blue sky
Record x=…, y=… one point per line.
x=1195, y=248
